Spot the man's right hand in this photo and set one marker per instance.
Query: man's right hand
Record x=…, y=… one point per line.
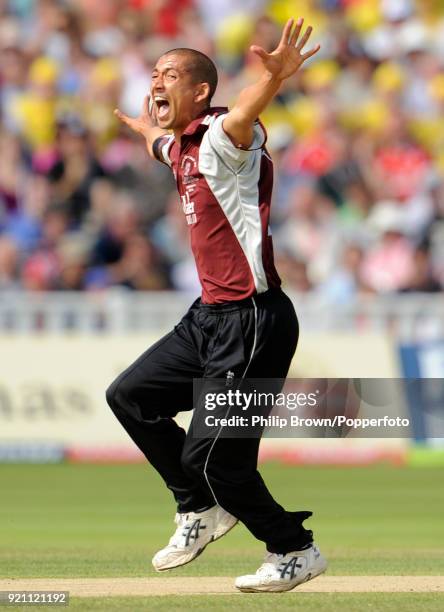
x=145, y=124
x=145, y=121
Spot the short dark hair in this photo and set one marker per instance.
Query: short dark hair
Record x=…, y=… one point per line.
x=200, y=66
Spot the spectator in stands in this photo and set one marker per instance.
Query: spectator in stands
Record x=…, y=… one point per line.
x=346, y=282
x=74, y=172
x=422, y=278
x=388, y=266
x=137, y=268
x=41, y=269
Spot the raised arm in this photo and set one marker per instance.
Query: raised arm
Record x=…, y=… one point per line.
x=279, y=65
x=144, y=124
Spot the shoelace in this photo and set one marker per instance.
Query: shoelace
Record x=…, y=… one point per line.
x=185, y=533
x=180, y=520
x=275, y=562
x=269, y=565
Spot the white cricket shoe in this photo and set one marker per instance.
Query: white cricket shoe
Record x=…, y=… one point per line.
x=194, y=531
x=284, y=572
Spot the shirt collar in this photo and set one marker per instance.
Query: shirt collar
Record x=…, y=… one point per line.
x=200, y=123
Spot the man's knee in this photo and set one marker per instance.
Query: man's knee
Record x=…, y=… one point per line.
x=129, y=395
x=117, y=394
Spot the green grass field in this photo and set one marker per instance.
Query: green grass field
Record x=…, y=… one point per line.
x=106, y=521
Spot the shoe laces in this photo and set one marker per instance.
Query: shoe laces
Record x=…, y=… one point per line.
x=188, y=529
x=270, y=564
x=180, y=519
x=276, y=562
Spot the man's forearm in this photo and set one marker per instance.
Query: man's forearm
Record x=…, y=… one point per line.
x=151, y=134
x=252, y=101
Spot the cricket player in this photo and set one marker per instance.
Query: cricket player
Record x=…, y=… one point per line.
x=242, y=326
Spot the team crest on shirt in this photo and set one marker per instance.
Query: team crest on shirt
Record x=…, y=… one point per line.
x=187, y=167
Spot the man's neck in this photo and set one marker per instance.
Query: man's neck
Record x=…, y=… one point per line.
x=178, y=135
x=178, y=132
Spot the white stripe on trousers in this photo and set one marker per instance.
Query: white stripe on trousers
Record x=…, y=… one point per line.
x=243, y=376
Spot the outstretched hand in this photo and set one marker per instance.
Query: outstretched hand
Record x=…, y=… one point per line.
x=288, y=56
x=145, y=124
x=144, y=121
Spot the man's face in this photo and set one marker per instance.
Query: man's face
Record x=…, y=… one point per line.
x=174, y=92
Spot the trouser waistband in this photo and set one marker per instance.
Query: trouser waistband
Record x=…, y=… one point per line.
x=235, y=305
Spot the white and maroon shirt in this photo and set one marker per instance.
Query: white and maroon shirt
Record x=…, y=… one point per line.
x=225, y=193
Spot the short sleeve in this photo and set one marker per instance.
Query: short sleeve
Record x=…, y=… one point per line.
x=161, y=148
x=224, y=147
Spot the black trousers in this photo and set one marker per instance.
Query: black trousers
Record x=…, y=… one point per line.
x=254, y=338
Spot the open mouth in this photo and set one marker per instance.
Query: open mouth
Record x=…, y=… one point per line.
x=163, y=107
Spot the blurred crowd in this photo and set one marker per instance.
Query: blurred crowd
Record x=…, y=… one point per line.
x=357, y=138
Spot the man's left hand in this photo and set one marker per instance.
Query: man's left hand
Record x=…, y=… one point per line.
x=288, y=56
